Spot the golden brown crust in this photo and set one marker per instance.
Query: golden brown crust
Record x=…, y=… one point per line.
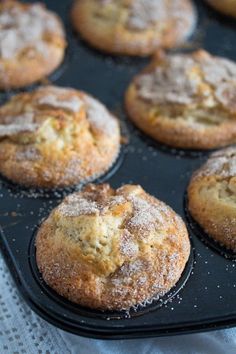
x=32, y=43
x=228, y=7
x=56, y=137
x=212, y=197
x=186, y=101
x=133, y=27
x=112, y=249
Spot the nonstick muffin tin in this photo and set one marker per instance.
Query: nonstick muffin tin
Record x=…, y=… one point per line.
x=204, y=298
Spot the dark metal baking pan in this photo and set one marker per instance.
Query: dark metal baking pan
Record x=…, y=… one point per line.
x=206, y=301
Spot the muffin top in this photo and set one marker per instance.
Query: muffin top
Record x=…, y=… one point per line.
x=43, y=116
x=221, y=165
x=56, y=136
x=27, y=30
x=112, y=249
x=134, y=27
x=199, y=79
x=143, y=15
x=111, y=227
x=186, y=100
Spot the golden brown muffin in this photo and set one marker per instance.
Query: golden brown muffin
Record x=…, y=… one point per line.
x=112, y=249
x=212, y=197
x=186, y=100
x=134, y=27
x=32, y=43
x=56, y=137
x=228, y=7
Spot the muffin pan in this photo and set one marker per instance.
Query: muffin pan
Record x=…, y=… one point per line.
x=204, y=297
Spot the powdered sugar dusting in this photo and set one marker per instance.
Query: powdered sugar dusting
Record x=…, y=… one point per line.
x=128, y=246
x=24, y=28
x=59, y=97
x=13, y=125
x=144, y=13
x=19, y=119
x=217, y=70
x=226, y=95
x=222, y=163
x=99, y=118
x=84, y=204
x=76, y=205
x=179, y=78
x=116, y=200
x=146, y=216
x=169, y=83
x=130, y=269
x=9, y=130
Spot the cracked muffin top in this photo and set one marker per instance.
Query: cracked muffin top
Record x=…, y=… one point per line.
x=111, y=249
x=186, y=100
x=55, y=137
x=134, y=27
x=32, y=43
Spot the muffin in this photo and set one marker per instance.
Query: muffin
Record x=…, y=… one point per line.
x=56, y=137
x=32, y=43
x=186, y=100
x=112, y=249
x=228, y=7
x=134, y=27
x=212, y=197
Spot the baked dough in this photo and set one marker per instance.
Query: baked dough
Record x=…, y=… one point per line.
x=212, y=197
x=186, y=100
x=228, y=7
x=134, y=27
x=112, y=249
x=56, y=137
x=32, y=43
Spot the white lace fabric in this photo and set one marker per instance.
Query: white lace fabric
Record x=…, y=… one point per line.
x=22, y=331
